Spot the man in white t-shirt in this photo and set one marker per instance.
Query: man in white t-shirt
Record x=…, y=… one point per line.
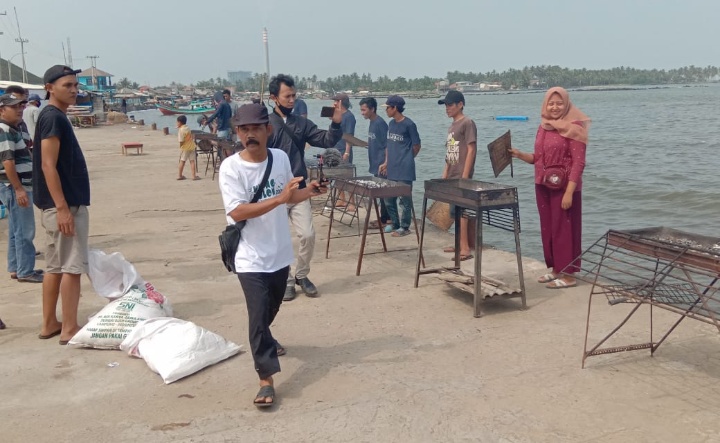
x=265, y=251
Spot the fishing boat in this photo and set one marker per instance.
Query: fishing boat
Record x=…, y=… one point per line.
x=193, y=109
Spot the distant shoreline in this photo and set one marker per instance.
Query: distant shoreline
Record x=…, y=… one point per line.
x=434, y=94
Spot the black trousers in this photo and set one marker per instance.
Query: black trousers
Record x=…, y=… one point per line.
x=264, y=292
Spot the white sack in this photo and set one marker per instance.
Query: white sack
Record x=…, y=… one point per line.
x=176, y=348
x=111, y=275
x=109, y=327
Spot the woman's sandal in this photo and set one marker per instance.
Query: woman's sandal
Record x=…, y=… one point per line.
x=265, y=392
x=559, y=283
x=547, y=278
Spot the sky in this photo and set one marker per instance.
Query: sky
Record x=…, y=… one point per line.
x=156, y=42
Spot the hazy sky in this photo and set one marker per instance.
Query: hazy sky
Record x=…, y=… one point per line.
x=158, y=41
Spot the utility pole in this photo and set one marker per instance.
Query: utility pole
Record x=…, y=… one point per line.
x=70, y=61
x=22, y=42
x=267, y=54
x=2, y=33
x=92, y=61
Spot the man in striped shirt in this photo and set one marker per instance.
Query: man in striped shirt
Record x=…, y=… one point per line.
x=16, y=190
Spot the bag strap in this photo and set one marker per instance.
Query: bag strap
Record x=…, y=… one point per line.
x=265, y=178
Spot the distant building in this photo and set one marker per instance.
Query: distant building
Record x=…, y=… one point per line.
x=94, y=79
x=239, y=76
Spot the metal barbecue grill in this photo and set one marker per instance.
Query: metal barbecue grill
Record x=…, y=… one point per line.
x=493, y=205
x=314, y=168
x=364, y=192
x=661, y=267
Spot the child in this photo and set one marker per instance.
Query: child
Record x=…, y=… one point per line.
x=460, y=162
x=187, y=147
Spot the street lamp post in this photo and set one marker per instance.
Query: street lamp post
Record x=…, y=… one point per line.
x=10, y=65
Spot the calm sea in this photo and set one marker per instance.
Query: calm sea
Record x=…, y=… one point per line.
x=653, y=158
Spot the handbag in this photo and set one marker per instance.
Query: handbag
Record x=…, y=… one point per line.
x=554, y=177
x=230, y=237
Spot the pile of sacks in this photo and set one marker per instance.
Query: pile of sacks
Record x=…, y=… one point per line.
x=114, y=117
x=139, y=320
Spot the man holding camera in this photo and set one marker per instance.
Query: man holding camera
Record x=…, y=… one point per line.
x=290, y=133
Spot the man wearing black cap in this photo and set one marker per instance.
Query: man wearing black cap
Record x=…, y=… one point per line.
x=16, y=190
x=265, y=251
x=403, y=144
x=460, y=161
x=291, y=133
x=62, y=192
x=27, y=134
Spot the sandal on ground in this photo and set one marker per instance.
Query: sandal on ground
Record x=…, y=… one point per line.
x=50, y=335
x=463, y=257
x=181, y=178
x=547, y=278
x=265, y=392
x=197, y=178
x=449, y=249
x=559, y=283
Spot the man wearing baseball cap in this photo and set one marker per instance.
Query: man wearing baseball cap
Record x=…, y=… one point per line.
x=403, y=144
x=265, y=252
x=31, y=113
x=461, y=150
x=61, y=187
x=16, y=190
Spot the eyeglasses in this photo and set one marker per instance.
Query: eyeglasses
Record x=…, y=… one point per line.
x=17, y=106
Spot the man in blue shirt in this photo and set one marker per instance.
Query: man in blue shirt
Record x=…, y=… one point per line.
x=223, y=114
x=403, y=144
x=377, y=142
x=348, y=127
x=300, y=107
x=347, y=124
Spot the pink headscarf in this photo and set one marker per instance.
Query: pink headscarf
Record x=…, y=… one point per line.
x=573, y=124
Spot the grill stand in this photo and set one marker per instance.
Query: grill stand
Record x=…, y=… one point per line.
x=645, y=268
x=367, y=197
x=502, y=214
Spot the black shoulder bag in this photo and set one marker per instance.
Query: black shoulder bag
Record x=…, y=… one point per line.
x=230, y=237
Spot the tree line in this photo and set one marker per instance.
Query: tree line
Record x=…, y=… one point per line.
x=527, y=77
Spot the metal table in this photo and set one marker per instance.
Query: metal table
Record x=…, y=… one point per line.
x=660, y=267
x=493, y=205
x=365, y=192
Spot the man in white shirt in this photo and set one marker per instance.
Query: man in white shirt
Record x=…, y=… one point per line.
x=31, y=113
x=265, y=251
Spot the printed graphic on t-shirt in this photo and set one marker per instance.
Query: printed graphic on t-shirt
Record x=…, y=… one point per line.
x=452, y=157
x=371, y=135
x=396, y=137
x=272, y=188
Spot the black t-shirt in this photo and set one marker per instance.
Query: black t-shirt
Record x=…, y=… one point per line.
x=71, y=166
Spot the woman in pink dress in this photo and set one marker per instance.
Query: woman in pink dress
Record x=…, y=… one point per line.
x=559, y=159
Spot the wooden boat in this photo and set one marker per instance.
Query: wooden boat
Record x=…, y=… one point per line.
x=170, y=110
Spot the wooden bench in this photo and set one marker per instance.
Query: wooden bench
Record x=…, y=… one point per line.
x=138, y=147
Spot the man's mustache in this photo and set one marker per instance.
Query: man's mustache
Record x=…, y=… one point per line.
x=253, y=142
